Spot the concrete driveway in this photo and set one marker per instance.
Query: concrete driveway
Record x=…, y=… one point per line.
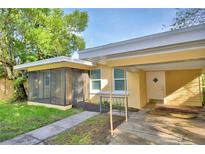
x=144, y=128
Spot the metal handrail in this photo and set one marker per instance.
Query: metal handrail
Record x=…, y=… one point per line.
x=117, y=100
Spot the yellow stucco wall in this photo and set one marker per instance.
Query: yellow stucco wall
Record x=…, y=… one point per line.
x=105, y=85
x=143, y=89
x=183, y=87
x=136, y=87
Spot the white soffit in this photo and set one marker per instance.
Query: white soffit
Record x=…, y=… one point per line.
x=181, y=65
x=194, y=35
x=52, y=61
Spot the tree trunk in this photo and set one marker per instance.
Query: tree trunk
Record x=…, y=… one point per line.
x=21, y=93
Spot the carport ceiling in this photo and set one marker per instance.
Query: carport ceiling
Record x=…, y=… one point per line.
x=180, y=65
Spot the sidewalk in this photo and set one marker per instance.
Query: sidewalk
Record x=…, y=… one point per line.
x=39, y=135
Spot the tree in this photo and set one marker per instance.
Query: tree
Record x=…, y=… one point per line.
x=188, y=17
x=33, y=34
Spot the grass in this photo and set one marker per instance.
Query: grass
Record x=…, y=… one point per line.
x=19, y=118
x=95, y=130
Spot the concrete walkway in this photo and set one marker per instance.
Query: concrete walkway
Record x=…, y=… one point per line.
x=39, y=135
x=144, y=128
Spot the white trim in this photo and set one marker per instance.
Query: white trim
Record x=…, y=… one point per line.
x=92, y=90
x=181, y=36
x=51, y=61
x=107, y=93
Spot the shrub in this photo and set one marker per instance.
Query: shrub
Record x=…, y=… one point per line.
x=19, y=90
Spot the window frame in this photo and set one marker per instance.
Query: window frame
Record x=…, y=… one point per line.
x=91, y=81
x=124, y=79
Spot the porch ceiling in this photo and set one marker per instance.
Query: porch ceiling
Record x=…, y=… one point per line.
x=179, y=65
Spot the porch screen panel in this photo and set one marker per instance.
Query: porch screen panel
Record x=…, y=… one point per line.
x=33, y=88
x=40, y=86
x=68, y=84
x=48, y=86
x=58, y=81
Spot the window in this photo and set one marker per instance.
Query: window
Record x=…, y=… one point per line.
x=95, y=80
x=119, y=79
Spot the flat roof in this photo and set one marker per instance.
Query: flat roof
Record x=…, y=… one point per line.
x=52, y=61
x=164, y=39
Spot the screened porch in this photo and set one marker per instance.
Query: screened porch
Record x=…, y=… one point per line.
x=61, y=86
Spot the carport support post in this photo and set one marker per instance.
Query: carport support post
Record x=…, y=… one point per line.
x=125, y=89
x=111, y=87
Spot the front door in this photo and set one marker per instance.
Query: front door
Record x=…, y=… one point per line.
x=155, y=85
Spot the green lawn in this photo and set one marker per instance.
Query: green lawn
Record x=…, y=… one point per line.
x=95, y=130
x=19, y=118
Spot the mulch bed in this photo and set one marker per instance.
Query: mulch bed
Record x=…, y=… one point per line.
x=95, y=130
x=96, y=107
x=91, y=107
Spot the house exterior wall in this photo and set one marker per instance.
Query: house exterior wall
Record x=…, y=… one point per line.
x=183, y=87
x=143, y=89
x=136, y=87
x=105, y=84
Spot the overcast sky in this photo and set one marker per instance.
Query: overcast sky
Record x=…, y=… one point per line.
x=112, y=25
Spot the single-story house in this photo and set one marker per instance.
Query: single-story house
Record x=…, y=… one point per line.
x=164, y=67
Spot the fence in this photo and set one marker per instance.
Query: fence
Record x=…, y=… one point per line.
x=6, y=88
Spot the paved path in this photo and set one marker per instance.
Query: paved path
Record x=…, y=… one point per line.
x=39, y=135
x=144, y=128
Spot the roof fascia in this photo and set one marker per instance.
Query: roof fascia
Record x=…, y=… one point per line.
x=190, y=34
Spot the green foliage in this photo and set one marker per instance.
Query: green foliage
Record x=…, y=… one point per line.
x=188, y=17
x=115, y=105
x=2, y=71
x=105, y=104
x=28, y=35
x=203, y=80
x=19, y=93
x=33, y=34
